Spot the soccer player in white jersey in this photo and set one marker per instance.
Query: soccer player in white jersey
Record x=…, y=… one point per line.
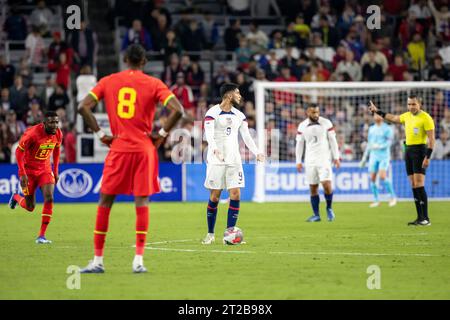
x=317, y=135
x=223, y=123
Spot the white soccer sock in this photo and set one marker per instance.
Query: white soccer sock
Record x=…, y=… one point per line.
x=98, y=260
x=138, y=260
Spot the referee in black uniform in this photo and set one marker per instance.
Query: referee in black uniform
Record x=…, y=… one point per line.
x=419, y=132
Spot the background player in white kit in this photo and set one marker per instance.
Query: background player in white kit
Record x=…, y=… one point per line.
x=223, y=123
x=318, y=136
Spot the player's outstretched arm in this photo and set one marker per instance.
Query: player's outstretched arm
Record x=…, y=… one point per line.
x=245, y=134
x=387, y=116
x=85, y=109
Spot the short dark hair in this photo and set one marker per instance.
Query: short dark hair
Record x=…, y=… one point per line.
x=49, y=114
x=312, y=105
x=134, y=54
x=415, y=96
x=227, y=87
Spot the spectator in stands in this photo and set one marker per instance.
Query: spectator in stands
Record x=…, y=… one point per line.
x=345, y=20
x=243, y=53
x=193, y=38
x=16, y=127
x=137, y=34
x=185, y=64
x=232, y=35
x=49, y=89
x=301, y=67
x=398, y=68
x=57, y=47
x=442, y=21
x=70, y=143
x=438, y=72
x=6, y=142
x=84, y=45
x=339, y=56
x=26, y=72
x=32, y=96
x=62, y=69
x=5, y=105
x=272, y=67
x=41, y=17
x=7, y=72
x=445, y=123
x=294, y=38
x=211, y=31
x=257, y=39
x=285, y=75
x=222, y=76
x=420, y=9
x=35, y=48
x=408, y=27
x=441, y=149
x=437, y=110
x=244, y=87
x=379, y=57
x=195, y=77
x=350, y=67
x=313, y=74
x=170, y=72
x=184, y=94
x=353, y=43
x=18, y=97
x=85, y=82
x=324, y=10
x=371, y=70
x=328, y=34
x=289, y=60
x=201, y=109
x=276, y=40
x=15, y=25
x=416, y=51
x=158, y=29
x=170, y=46
x=59, y=99
x=384, y=45
x=34, y=115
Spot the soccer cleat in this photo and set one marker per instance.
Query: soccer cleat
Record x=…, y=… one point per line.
x=93, y=268
x=374, y=204
x=424, y=223
x=42, y=240
x=209, y=239
x=413, y=223
x=330, y=214
x=392, y=202
x=313, y=218
x=12, y=202
x=139, y=269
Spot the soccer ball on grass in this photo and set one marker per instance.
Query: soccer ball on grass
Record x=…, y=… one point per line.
x=233, y=235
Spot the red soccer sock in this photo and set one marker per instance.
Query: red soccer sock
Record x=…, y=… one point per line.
x=21, y=201
x=142, y=217
x=101, y=228
x=47, y=212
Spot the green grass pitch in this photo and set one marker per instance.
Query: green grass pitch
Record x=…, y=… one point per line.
x=284, y=257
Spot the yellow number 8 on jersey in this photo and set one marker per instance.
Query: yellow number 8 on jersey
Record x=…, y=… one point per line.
x=127, y=99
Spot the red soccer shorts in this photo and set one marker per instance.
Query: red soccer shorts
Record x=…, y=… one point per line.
x=37, y=180
x=133, y=173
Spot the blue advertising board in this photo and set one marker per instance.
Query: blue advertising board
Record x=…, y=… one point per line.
x=81, y=183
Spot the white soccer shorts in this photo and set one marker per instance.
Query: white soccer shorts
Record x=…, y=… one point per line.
x=224, y=176
x=317, y=174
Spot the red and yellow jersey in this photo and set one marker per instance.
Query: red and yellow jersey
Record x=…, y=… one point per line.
x=130, y=97
x=38, y=147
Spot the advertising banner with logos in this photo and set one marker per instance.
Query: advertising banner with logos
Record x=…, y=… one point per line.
x=81, y=183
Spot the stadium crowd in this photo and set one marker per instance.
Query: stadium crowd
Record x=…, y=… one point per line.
x=317, y=41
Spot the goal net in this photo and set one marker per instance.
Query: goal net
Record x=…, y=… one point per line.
x=281, y=106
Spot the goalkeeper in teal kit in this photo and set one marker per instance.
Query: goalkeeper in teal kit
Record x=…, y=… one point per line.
x=378, y=151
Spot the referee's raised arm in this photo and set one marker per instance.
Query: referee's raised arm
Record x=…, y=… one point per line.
x=387, y=116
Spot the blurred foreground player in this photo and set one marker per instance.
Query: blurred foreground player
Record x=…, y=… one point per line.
x=131, y=166
x=33, y=154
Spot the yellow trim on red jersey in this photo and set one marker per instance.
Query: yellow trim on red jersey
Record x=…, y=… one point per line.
x=99, y=232
x=141, y=232
x=46, y=215
x=20, y=147
x=93, y=95
x=167, y=99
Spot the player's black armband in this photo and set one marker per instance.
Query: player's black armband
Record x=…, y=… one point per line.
x=429, y=152
x=381, y=113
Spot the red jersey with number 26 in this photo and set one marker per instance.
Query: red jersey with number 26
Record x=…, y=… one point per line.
x=38, y=146
x=130, y=97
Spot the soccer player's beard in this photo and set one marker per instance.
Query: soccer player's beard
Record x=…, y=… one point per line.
x=313, y=119
x=234, y=103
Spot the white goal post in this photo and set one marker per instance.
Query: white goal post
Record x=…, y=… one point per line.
x=280, y=107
